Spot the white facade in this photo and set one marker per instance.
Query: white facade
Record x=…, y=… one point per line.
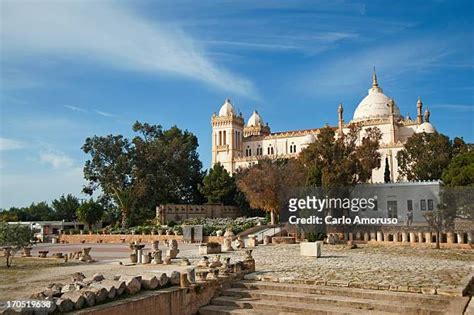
x=236, y=144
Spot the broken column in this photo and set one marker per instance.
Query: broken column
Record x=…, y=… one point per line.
x=172, y=250
x=252, y=241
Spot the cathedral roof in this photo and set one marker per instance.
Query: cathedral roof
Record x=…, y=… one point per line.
x=227, y=109
x=426, y=127
x=375, y=104
x=255, y=119
x=308, y=139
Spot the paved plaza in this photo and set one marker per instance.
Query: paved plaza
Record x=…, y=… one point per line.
x=396, y=268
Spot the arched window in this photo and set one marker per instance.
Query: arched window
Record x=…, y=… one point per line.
x=292, y=147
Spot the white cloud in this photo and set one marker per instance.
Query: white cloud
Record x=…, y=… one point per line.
x=10, y=144
x=56, y=159
x=353, y=71
x=105, y=114
x=76, y=108
x=111, y=33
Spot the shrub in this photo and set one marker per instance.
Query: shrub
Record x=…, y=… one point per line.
x=313, y=237
x=171, y=224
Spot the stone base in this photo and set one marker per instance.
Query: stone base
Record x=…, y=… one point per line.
x=312, y=249
x=204, y=249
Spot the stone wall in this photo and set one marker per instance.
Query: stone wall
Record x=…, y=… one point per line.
x=176, y=212
x=407, y=236
x=127, y=238
x=170, y=301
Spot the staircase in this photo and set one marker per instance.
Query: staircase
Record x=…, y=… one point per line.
x=261, y=233
x=257, y=297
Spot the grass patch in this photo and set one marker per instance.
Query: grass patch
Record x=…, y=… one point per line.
x=26, y=266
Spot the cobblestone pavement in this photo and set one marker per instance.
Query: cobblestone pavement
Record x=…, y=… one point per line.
x=396, y=268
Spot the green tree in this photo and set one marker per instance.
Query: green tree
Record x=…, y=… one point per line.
x=425, y=156
x=125, y=200
x=40, y=211
x=460, y=171
x=218, y=185
x=13, y=237
x=344, y=161
x=167, y=168
x=264, y=183
x=65, y=207
x=90, y=212
x=9, y=215
x=157, y=166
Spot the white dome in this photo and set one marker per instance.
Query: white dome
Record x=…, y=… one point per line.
x=375, y=104
x=227, y=109
x=308, y=139
x=426, y=127
x=255, y=119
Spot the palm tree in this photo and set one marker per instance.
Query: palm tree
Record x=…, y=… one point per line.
x=125, y=200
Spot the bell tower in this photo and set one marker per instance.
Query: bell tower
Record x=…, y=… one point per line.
x=227, y=136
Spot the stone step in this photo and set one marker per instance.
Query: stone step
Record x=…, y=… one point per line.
x=278, y=307
x=229, y=310
x=367, y=303
x=344, y=291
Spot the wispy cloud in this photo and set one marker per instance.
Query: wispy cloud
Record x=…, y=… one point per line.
x=95, y=111
x=10, y=144
x=105, y=114
x=111, y=33
x=351, y=72
x=76, y=108
x=309, y=43
x=56, y=159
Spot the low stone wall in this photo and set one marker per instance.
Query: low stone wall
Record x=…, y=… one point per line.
x=127, y=238
x=409, y=237
x=170, y=301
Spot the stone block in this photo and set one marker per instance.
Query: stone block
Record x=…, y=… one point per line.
x=312, y=249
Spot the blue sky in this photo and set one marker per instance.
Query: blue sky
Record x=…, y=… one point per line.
x=69, y=70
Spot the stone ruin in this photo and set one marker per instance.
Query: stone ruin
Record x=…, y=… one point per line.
x=155, y=256
x=210, y=269
x=82, y=291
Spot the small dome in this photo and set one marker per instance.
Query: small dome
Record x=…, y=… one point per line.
x=227, y=109
x=308, y=139
x=375, y=104
x=426, y=127
x=255, y=120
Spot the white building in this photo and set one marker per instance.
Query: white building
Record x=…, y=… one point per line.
x=238, y=144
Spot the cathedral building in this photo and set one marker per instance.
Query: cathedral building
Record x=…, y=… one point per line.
x=239, y=144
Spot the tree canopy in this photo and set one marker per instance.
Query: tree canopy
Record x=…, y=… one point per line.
x=156, y=166
x=341, y=161
x=90, y=212
x=218, y=186
x=460, y=171
x=264, y=184
x=426, y=155
x=65, y=207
